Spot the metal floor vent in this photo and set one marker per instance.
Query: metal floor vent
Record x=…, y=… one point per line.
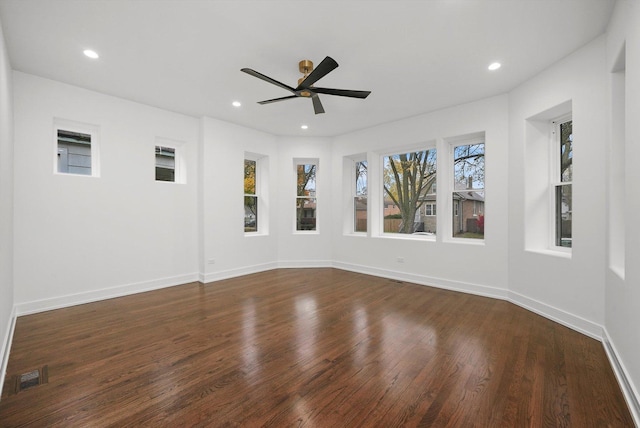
x=30, y=379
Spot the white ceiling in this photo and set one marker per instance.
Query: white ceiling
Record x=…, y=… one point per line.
x=185, y=56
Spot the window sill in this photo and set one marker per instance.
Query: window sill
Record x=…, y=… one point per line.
x=550, y=252
x=466, y=241
x=71, y=174
x=254, y=234
x=407, y=237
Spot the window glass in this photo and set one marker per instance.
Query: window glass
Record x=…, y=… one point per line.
x=409, y=181
x=563, y=188
x=250, y=196
x=306, y=197
x=165, y=164
x=74, y=152
x=468, y=195
x=360, y=198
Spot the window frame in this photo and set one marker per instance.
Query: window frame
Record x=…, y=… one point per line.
x=158, y=151
x=428, y=145
x=355, y=196
x=180, y=170
x=305, y=161
x=555, y=181
x=255, y=195
x=93, y=131
x=262, y=191
x=453, y=209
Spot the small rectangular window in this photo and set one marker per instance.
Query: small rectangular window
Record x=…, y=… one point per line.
x=562, y=183
x=430, y=210
x=468, y=194
x=165, y=164
x=360, y=197
x=306, y=202
x=250, y=196
x=76, y=148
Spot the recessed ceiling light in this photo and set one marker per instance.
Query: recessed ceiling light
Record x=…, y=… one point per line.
x=494, y=66
x=236, y=103
x=91, y=54
x=304, y=127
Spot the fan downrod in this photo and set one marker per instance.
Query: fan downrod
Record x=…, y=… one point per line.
x=305, y=66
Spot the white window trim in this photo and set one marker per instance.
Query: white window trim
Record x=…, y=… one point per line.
x=84, y=128
x=555, y=179
x=261, y=193
x=180, y=174
x=452, y=143
x=305, y=161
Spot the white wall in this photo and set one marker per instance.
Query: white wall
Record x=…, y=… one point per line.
x=622, y=309
x=304, y=248
x=571, y=287
x=82, y=238
x=479, y=268
x=6, y=204
x=226, y=250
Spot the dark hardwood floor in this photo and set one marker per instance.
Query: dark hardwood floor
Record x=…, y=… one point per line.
x=308, y=347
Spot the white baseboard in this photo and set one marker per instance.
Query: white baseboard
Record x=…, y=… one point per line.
x=301, y=264
x=479, y=290
x=6, y=347
x=565, y=318
x=626, y=385
x=36, y=306
x=233, y=273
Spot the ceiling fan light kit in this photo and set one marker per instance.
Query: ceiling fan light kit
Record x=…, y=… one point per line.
x=305, y=86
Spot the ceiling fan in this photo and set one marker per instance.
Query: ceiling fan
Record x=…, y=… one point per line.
x=305, y=86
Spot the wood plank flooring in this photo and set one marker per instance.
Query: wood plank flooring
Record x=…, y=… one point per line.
x=312, y=348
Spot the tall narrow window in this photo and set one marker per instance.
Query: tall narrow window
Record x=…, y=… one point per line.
x=165, y=164
x=360, y=197
x=409, y=181
x=562, y=182
x=468, y=193
x=306, y=202
x=250, y=196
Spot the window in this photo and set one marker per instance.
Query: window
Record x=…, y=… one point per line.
x=561, y=183
x=429, y=209
x=409, y=181
x=306, y=202
x=250, y=196
x=360, y=197
x=165, y=164
x=75, y=148
x=468, y=190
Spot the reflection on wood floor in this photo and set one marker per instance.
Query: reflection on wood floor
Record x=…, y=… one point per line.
x=308, y=347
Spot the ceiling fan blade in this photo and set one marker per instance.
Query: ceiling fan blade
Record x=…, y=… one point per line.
x=267, y=79
x=317, y=105
x=277, y=99
x=325, y=67
x=342, y=92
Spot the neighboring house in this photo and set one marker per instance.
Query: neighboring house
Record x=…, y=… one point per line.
x=468, y=208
